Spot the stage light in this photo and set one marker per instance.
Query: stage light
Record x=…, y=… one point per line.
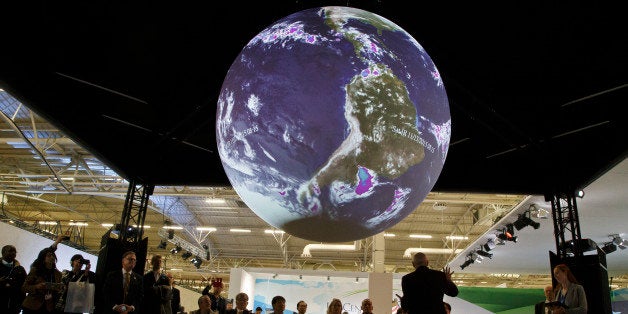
x=621, y=243
x=476, y=257
x=484, y=253
x=186, y=255
x=162, y=244
x=176, y=249
x=197, y=261
x=524, y=221
x=510, y=228
x=467, y=262
x=490, y=244
x=609, y=247
x=580, y=193
x=507, y=236
x=582, y=245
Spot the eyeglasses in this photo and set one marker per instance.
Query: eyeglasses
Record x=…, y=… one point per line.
x=131, y=259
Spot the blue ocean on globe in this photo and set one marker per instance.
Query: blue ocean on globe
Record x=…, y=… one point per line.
x=333, y=124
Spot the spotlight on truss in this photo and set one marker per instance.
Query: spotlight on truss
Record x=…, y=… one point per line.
x=490, y=244
x=162, y=244
x=467, y=262
x=176, y=249
x=524, y=220
x=483, y=253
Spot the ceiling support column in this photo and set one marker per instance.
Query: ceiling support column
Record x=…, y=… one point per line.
x=378, y=246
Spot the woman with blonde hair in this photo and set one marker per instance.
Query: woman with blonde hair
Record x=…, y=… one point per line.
x=569, y=293
x=335, y=307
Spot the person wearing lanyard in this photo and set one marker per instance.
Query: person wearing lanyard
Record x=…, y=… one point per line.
x=43, y=282
x=12, y=276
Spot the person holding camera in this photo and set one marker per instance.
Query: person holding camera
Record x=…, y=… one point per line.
x=43, y=282
x=76, y=274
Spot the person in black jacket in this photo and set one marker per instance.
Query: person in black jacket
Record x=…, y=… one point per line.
x=117, y=298
x=12, y=276
x=424, y=288
x=157, y=289
x=176, y=295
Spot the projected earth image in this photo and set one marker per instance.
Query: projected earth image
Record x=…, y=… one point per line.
x=333, y=124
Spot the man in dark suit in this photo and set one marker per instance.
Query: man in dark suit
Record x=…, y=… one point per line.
x=122, y=289
x=157, y=289
x=241, y=300
x=423, y=289
x=176, y=296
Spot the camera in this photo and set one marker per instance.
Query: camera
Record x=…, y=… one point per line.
x=84, y=261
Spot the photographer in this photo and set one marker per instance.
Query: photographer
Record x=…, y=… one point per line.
x=76, y=274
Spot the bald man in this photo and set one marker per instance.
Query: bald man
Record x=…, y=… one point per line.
x=424, y=288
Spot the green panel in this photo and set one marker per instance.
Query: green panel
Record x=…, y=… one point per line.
x=499, y=300
x=520, y=310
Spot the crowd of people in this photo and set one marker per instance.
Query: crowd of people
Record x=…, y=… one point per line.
x=44, y=289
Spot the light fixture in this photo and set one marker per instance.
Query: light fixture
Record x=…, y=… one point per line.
x=490, y=244
x=274, y=276
x=210, y=229
x=481, y=252
x=173, y=227
x=79, y=224
x=439, y=206
x=467, y=262
x=618, y=241
x=506, y=235
x=609, y=247
x=197, y=261
x=176, y=249
x=580, y=193
x=357, y=280
x=186, y=255
x=538, y=211
x=524, y=220
x=476, y=257
x=453, y=237
x=162, y=244
x=420, y=236
x=582, y=245
x=389, y=235
x=300, y=276
x=215, y=201
x=328, y=278
x=270, y=231
x=107, y=225
x=239, y=230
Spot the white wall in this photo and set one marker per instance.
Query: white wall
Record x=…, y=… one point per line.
x=29, y=244
x=189, y=299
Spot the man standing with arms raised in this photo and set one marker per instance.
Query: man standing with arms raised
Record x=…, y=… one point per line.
x=424, y=288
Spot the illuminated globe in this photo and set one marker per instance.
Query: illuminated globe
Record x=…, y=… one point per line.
x=333, y=124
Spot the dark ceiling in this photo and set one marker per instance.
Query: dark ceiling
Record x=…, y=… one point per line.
x=536, y=88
